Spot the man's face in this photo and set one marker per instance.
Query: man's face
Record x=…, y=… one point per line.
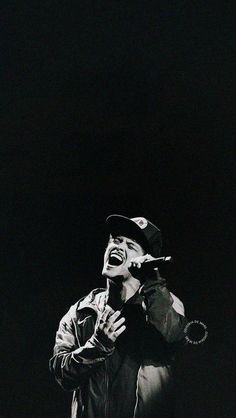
x=118, y=255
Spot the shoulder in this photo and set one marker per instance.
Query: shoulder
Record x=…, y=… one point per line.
x=177, y=304
x=94, y=300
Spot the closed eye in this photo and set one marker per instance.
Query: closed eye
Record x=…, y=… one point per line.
x=132, y=247
x=116, y=240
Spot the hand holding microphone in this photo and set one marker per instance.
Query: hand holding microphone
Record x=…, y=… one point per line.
x=146, y=266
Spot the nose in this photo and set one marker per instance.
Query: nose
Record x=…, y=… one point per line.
x=121, y=246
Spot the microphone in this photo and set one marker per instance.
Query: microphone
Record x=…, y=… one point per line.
x=149, y=266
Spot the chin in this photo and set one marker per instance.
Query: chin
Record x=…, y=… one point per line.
x=112, y=273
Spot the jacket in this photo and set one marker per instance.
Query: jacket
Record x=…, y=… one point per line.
x=133, y=378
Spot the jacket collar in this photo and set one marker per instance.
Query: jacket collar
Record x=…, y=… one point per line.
x=95, y=300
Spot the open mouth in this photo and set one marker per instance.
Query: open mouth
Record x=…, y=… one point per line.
x=115, y=259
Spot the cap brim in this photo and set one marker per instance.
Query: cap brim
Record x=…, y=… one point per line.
x=121, y=225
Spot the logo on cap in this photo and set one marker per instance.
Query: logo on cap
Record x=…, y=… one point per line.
x=141, y=222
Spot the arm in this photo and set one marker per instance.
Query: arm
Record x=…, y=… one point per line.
x=72, y=365
x=164, y=310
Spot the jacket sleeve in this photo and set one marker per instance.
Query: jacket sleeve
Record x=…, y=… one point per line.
x=164, y=311
x=71, y=363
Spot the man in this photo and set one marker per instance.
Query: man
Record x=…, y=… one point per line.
x=114, y=348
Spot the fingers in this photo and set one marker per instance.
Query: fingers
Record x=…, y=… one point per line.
x=105, y=315
x=157, y=273
x=135, y=263
x=114, y=316
x=138, y=261
x=117, y=324
x=119, y=331
x=110, y=325
x=108, y=319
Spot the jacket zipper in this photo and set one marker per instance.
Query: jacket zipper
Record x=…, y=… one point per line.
x=106, y=389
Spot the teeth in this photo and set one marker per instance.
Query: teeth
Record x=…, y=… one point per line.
x=117, y=256
x=115, y=259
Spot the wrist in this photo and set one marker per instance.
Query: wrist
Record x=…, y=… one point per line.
x=102, y=340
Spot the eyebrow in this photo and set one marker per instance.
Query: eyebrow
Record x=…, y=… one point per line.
x=133, y=243
x=130, y=241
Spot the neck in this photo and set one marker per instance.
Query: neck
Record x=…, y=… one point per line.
x=129, y=288
x=120, y=291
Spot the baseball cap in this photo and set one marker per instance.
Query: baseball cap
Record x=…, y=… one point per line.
x=141, y=229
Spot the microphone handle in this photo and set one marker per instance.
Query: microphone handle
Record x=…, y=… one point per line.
x=157, y=262
x=148, y=266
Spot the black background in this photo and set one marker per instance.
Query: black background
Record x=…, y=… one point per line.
x=115, y=107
